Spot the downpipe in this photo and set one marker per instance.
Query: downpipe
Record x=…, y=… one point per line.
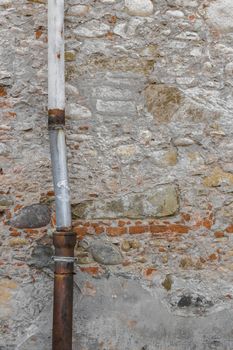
x=63, y=239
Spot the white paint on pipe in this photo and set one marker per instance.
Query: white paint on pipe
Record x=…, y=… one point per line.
x=56, y=65
x=56, y=100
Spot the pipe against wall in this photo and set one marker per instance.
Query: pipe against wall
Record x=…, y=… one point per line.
x=56, y=111
x=64, y=240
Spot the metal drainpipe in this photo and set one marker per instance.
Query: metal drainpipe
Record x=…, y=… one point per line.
x=64, y=239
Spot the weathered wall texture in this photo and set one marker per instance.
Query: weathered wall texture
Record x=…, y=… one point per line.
x=149, y=134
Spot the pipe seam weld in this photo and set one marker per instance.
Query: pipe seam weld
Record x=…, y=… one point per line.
x=63, y=258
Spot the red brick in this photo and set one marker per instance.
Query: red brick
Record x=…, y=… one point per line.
x=81, y=231
x=178, y=228
x=186, y=217
x=15, y=233
x=99, y=230
x=207, y=223
x=3, y=92
x=138, y=229
x=162, y=249
x=219, y=234
x=38, y=34
x=158, y=229
x=116, y=231
x=92, y=270
x=50, y=193
x=169, y=228
x=121, y=223
x=31, y=231
x=149, y=271
x=229, y=229
x=213, y=257
x=17, y=207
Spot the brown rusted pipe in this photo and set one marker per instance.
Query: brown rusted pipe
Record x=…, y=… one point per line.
x=64, y=243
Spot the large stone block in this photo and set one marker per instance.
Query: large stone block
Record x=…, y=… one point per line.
x=105, y=253
x=159, y=201
x=162, y=101
x=92, y=29
x=33, y=216
x=139, y=7
x=41, y=256
x=220, y=15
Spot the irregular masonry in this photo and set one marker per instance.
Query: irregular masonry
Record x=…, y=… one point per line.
x=149, y=134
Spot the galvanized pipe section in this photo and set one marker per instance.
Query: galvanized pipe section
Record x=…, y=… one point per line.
x=56, y=64
x=64, y=240
x=60, y=178
x=56, y=111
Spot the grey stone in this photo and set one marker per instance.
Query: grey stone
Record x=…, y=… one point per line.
x=159, y=201
x=139, y=7
x=116, y=108
x=110, y=93
x=175, y=13
x=5, y=201
x=219, y=14
x=183, y=141
x=105, y=253
x=163, y=101
x=32, y=216
x=164, y=158
x=4, y=149
x=78, y=10
x=75, y=111
x=92, y=29
x=163, y=202
x=185, y=300
x=41, y=256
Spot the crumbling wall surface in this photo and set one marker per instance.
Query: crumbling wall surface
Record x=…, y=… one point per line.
x=149, y=135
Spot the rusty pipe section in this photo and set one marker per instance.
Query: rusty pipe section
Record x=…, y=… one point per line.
x=64, y=243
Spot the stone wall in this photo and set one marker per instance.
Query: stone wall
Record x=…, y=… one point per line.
x=149, y=135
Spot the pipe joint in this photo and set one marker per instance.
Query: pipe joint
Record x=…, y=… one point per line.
x=64, y=243
x=56, y=118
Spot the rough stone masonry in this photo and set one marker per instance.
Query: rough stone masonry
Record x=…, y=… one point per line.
x=149, y=134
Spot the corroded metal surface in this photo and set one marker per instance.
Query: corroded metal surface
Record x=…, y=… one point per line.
x=64, y=243
x=56, y=117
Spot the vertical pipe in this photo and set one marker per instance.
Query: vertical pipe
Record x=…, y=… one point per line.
x=64, y=240
x=56, y=111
